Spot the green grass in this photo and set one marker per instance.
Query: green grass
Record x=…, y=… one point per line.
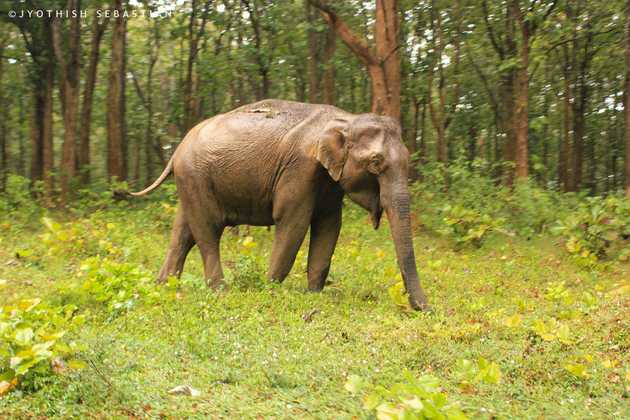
x=251, y=353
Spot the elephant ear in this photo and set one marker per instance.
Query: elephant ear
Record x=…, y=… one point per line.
x=332, y=147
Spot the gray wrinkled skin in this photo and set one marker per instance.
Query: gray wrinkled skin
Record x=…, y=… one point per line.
x=288, y=164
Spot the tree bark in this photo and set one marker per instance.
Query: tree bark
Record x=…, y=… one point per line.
x=37, y=37
x=116, y=133
x=521, y=97
x=69, y=89
x=626, y=99
x=46, y=133
x=382, y=62
x=443, y=109
x=98, y=29
x=3, y=124
x=196, y=32
x=329, y=95
x=565, y=152
x=312, y=62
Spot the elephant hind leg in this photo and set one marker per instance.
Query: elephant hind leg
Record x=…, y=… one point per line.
x=181, y=242
x=206, y=228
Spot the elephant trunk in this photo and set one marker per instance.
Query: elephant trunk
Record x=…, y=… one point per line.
x=395, y=201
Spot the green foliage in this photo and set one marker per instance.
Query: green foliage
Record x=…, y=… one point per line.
x=470, y=373
x=89, y=237
x=413, y=398
x=546, y=328
x=246, y=272
x=17, y=205
x=468, y=226
x=32, y=344
x=118, y=286
x=598, y=226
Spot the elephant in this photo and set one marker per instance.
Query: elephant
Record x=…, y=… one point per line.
x=288, y=164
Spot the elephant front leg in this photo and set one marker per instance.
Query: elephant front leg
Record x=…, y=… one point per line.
x=292, y=223
x=324, y=234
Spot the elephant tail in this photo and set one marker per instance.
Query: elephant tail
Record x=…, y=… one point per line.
x=165, y=173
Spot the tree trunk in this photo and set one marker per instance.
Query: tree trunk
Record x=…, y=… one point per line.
x=328, y=78
x=521, y=98
x=3, y=126
x=312, y=62
x=116, y=135
x=195, y=34
x=47, y=132
x=21, y=136
x=565, y=152
x=98, y=29
x=383, y=63
x=69, y=89
x=626, y=99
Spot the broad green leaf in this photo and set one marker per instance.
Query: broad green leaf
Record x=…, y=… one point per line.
x=23, y=336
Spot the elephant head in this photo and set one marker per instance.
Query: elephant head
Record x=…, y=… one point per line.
x=366, y=156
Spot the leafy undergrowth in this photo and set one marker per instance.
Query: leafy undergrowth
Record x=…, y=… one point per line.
x=519, y=329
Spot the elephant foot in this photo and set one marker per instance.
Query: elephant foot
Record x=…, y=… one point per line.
x=315, y=288
x=421, y=306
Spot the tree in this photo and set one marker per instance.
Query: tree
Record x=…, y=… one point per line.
x=383, y=60
x=512, y=45
x=37, y=38
x=151, y=144
x=321, y=68
x=196, y=31
x=262, y=51
x=98, y=29
x=67, y=50
x=442, y=110
x=3, y=120
x=116, y=130
x=626, y=98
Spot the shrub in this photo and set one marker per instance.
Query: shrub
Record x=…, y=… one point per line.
x=530, y=209
x=247, y=272
x=32, y=347
x=80, y=238
x=413, y=398
x=119, y=286
x=598, y=226
x=17, y=205
x=468, y=226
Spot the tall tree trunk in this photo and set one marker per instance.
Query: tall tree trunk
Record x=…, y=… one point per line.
x=521, y=97
x=3, y=125
x=98, y=29
x=38, y=40
x=565, y=152
x=328, y=78
x=195, y=34
x=382, y=62
x=626, y=99
x=21, y=136
x=312, y=62
x=46, y=132
x=69, y=89
x=442, y=109
x=116, y=133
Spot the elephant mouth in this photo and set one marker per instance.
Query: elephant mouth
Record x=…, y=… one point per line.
x=375, y=214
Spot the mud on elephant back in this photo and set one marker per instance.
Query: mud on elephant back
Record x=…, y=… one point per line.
x=288, y=164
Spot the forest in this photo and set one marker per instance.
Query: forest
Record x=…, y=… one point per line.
x=516, y=116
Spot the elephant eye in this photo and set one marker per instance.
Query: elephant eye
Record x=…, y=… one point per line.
x=375, y=164
x=376, y=159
